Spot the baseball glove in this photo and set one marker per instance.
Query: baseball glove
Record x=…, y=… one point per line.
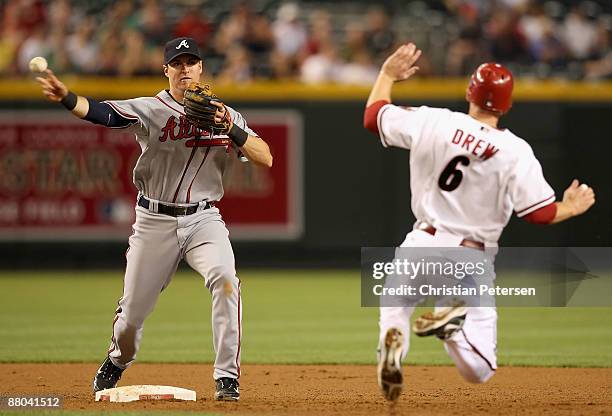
x=200, y=111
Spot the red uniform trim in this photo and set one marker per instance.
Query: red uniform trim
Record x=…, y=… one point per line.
x=184, y=172
x=543, y=215
x=519, y=212
x=476, y=350
x=113, y=340
x=118, y=310
x=207, y=142
x=169, y=106
x=121, y=112
x=239, y=331
x=370, y=115
x=196, y=174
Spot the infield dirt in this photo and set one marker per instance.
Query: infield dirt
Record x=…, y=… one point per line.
x=333, y=389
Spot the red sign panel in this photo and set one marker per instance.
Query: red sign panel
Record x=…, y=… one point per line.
x=66, y=179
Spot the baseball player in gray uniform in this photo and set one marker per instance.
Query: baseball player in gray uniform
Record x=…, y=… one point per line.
x=178, y=177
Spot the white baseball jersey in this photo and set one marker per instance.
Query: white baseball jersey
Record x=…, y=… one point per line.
x=466, y=177
x=179, y=163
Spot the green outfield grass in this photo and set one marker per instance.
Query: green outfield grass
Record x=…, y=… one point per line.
x=289, y=317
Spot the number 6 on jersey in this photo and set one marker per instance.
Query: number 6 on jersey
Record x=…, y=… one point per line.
x=451, y=177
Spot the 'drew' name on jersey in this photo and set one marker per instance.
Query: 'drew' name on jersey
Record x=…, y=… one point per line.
x=478, y=147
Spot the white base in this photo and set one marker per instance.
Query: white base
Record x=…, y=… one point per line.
x=144, y=392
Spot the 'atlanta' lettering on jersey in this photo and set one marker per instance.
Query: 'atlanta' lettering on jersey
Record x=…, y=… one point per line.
x=161, y=128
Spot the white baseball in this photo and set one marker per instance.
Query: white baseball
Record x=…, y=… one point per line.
x=38, y=64
x=584, y=186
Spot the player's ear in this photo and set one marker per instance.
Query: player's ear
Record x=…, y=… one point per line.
x=166, y=71
x=201, y=64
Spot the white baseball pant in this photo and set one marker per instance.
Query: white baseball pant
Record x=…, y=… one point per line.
x=473, y=347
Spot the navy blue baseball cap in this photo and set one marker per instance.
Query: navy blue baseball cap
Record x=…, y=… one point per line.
x=180, y=46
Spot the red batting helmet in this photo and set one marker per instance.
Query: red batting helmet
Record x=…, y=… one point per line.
x=491, y=87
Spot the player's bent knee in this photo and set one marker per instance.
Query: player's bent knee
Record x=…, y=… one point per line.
x=222, y=276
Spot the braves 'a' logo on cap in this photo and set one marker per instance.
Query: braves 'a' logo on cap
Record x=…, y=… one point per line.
x=183, y=43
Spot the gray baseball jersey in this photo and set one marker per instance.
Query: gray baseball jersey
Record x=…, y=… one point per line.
x=179, y=162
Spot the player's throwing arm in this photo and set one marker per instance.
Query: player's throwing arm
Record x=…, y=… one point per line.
x=186, y=135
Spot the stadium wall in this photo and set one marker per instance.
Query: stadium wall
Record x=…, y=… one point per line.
x=354, y=192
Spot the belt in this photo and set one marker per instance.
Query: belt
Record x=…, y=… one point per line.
x=173, y=210
x=465, y=243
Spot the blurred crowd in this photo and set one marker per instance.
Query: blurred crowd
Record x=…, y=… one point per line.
x=325, y=41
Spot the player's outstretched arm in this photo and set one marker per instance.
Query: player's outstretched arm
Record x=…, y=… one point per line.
x=397, y=67
x=577, y=199
x=56, y=91
x=82, y=107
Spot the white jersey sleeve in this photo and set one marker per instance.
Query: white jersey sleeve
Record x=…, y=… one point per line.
x=137, y=110
x=527, y=187
x=403, y=127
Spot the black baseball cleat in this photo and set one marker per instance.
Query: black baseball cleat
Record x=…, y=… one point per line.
x=443, y=323
x=228, y=389
x=107, y=376
x=390, y=376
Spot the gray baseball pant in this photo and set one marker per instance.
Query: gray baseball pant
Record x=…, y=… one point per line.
x=157, y=245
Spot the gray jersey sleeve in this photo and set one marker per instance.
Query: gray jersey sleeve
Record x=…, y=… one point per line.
x=240, y=121
x=136, y=109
